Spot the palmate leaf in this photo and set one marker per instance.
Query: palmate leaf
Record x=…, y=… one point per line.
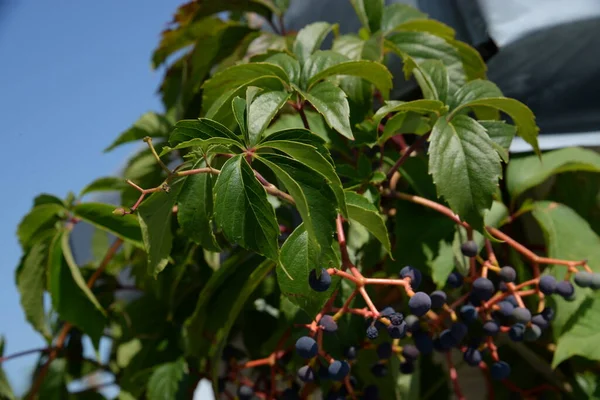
x=502, y=135
x=369, y=13
x=262, y=111
x=101, y=216
x=310, y=38
x=397, y=14
x=465, y=167
x=425, y=107
x=150, y=124
x=41, y=218
x=201, y=128
x=361, y=210
x=431, y=76
x=243, y=211
x=166, y=381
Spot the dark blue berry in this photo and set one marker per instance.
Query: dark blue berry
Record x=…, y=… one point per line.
x=384, y=350
x=438, y=299
x=372, y=332
x=245, y=392
x=306, y=347
x=447, y=340
x=414, y=275
x=455, y=280
x=565, y=289
x=508, y=274
x=412, y=323
x=396, y=318
x=306, y=374
x=505, y=308
x=410, y=352
x=548, y=313
x=521, y=315
x=491, y=328
x=459, y=331
x=512, y=300
x=423, y=342
x=483, y=289
x=419, y=304
x=472, y=356
x=469, y=248
x=532, y=333
x=379, y=370
x=397, y=331
x=407, y=367
x=583, y=279
x=540, y=321
x=350, y=353
x=328, y=324
x=547, y=284
x=319, y=283
x=500, y=370
x=468, y=313
x=338, y=370
x=516, y=332
x=386, y=312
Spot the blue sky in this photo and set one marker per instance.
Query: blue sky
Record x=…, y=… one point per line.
x=73, y=75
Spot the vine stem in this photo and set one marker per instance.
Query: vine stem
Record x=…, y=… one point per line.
x=417, y=143
x=454, y=377
x=25, y=353
x=62, y=337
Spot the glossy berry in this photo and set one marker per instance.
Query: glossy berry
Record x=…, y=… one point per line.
x=306, y=347
x=410, y=352
x=505, y=308
x=423, y=342
x=532, y=333
x=419, y=304
x=412, y=323
x=245, y=392
x=438, y=299
x=472, y=356
x=468, y=313
x=548, y=313
x=500, y=370
x=469, y=248
x=321, y=283
x=547, y=284
x=387, y=312
x=583, y=279
x=328, y=324
x=483, y=289
x=306, y=374
x=414, y=275
x=521, y=315
x=565, y=289
x=491, y=328
x=396, y=318
x=384, y=350
x=379, y=370
x=350, y=353
x=516, y=332
x=397, y=331
x=447, y=340
x=458, y=331
x=372, y=332
x=455, y=280
x=512, y=300
x=407, y=367
x=338, y=370
x=371, y=392
x=508, y=274
x=540, y=321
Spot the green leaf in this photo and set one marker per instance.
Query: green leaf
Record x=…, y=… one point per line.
x=31, y=282
x=312, y=158
x=214, y=144
x=330, y=101
x=297, y=134
x=71, y=298
x=524, y=173
x=243, y=211
x=581, y=339
x=398, y=14
x=404, y=122
x=105, y=184
x=431, y=76
x=501, y=134
x=101, y=216
x=313, y=195
x=298, y=257
x=473, y=63
x=465, y=167
x=244, y=284
x=474, y=90
x=290, y=65
x=310, y=38
x=155, y=215
x=371, y=71
x=443, y=264
x=521, y=115
x=427, y=25
x=369, y=13
x=361, y=210
x=150, y=124
x=195, y=209
x=262, y=111
x=239, y=112
x=6, y=392
x=201, y=128
x=39, y=219
x=568, y=237
x=165, y=381
x=418, y=106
